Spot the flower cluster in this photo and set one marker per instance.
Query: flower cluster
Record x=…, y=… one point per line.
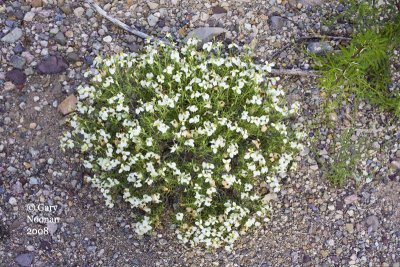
x=198, y=132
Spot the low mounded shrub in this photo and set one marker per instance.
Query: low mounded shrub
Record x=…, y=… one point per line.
x=198, y=135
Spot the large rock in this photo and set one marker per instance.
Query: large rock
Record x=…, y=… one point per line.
x=12, y=36
x=16, y=76
x=205, y=34
x=52, y=65
x=68, y=105
x=24, y=260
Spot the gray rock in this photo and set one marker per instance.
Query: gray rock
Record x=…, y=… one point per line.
x=17, y=62
x=205, y=34
x=277, y=22
x=33, y=181
x=152, y=20
x=73, y=57
x=29, y=16
x=319, y=47
x=89, y=13
x=12, y=36
x=25, y=259
x=60, y=38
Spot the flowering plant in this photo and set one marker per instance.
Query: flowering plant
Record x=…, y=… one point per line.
x=196, y=134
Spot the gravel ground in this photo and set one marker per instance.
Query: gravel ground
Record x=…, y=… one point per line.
x=46, y=45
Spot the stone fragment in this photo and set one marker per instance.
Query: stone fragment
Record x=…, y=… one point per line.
x=107, y=39
x=79, y=11
x=8, y=86
x=152, y=5
x=29, y=16
x=12, y=36
x=60, y=38
x=68, y=105
x=36, y=3
x=152, y=20
x=17, y=62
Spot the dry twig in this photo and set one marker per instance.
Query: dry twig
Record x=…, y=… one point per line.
x=295, y=72
x=117, y=22
x=328, y=37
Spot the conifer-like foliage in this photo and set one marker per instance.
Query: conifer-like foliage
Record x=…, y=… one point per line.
x=362, y=68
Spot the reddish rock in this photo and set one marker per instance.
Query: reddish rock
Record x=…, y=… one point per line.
x=68, y=105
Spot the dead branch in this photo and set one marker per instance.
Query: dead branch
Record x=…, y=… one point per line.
x=295, y=72
x=117, y=22
x=328, y=37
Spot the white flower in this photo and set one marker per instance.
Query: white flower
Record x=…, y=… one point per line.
x=162, y=127
x=208, y=46
x=179, y=216
x=217, y=143
x=143, y=227
x=189, y=142
x=233, y=150
x=149, y=141
x=169, y=69
x=147, y=119
x=175, y=56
